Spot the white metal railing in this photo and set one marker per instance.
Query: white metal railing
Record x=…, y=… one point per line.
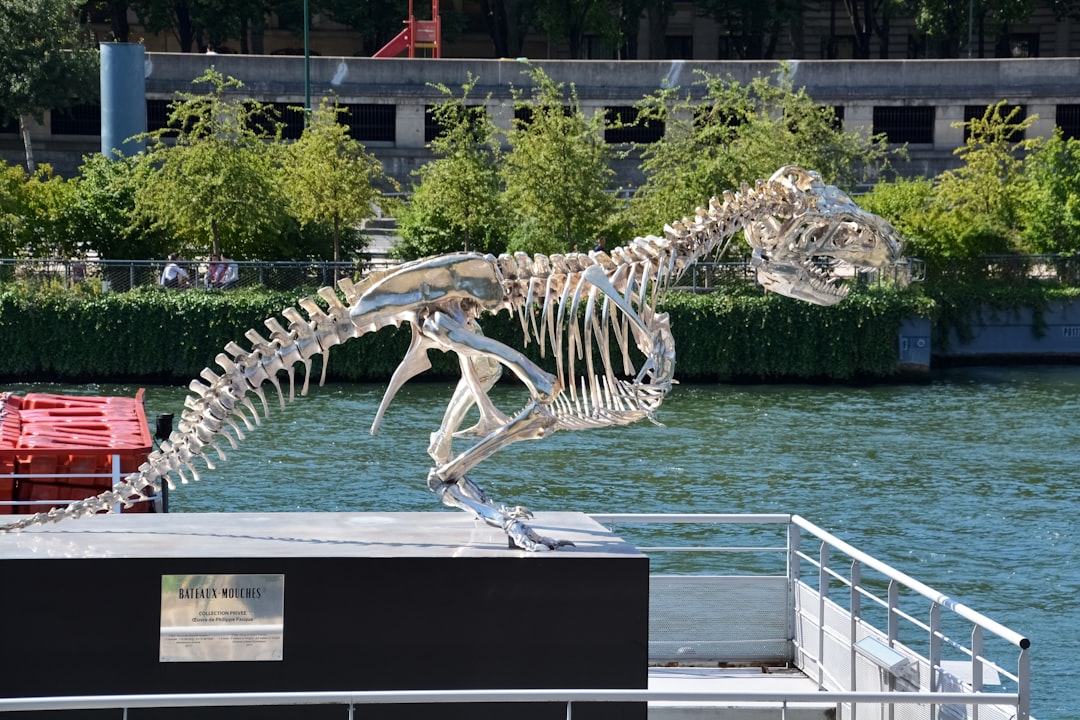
x=825, y=637
x=902, y=593
x=114, y=477
x=402, y=697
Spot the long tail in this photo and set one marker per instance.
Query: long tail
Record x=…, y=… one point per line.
x=219, y=399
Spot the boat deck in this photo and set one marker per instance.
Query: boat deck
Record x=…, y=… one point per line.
x=733, y=680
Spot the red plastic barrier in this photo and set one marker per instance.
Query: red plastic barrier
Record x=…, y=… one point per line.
x=56, y=436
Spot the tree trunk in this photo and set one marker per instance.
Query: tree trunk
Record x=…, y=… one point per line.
x=830, y=52
x=859, y=26
x=337, y=246
x=629, y=25
x=883, y=36
x=184, y=31
x=258, y=33
x=215, y=247
x=337, y=238
x=118, y=20
x=24, y=130
x=504, y=22
x=496, y=27
x=658, y=24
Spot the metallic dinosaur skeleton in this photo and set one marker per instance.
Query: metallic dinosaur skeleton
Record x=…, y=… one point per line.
x=596, y=313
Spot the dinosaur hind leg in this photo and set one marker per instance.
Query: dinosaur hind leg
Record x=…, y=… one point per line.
x=480, y=356
x=455, y=489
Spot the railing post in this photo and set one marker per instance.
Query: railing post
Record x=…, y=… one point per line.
x=1023, y=685
x=893, y=623
x=116, y=477
x=856, y=614
x=976, y=666
x=794, y=567
x=935, y=654
x=823, y=594
x=935, y=647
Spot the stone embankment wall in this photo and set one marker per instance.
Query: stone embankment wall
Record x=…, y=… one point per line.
x=995, y=337
x=916, y=103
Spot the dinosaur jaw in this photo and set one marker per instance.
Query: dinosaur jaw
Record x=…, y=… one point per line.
x=846, y=241
x=805, y=282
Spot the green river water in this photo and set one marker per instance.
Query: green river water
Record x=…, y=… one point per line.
x=967, y=483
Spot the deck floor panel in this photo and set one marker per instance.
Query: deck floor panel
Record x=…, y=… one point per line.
x=735, y=679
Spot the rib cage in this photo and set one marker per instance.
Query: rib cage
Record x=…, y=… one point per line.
x=547, y=292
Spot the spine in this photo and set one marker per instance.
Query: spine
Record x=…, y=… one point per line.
x=219, y=398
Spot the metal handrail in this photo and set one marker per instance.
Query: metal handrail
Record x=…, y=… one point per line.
x=114, y=474
x=945, y=601
x=395, y=697
x=896, y=579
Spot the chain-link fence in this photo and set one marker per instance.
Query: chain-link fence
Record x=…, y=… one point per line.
x=123, y=275
x=1062, y=269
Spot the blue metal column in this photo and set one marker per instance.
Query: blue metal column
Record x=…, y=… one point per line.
x=123, y=98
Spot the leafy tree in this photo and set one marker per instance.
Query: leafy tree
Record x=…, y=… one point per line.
x=168, y=16
x=508, y=22
x=870, y=19
x=977, y=209
x=12, y=180
x=755, y=26
x=117, y=12
x=103, y=207
x=215, y=187
x=617, y=24
x=47, y=62
x=557, y=173
x=47, y=227
x=202, y=24
x=377, y=21
x=977, y=204
x=330, y=177
x=569, y=20
x=1050, y=206
x=944, y=22
x=949, y=23
x=457, y=204
x=737, y=133
x=908, y=203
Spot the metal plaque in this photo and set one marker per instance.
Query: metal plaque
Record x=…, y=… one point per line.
x=222, y=618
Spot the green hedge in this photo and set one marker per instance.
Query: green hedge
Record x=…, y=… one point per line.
x=155, y=335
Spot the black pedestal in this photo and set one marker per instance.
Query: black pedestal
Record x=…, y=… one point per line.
x=369, y=602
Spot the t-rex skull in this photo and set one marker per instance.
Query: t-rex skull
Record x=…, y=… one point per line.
x=787, y=251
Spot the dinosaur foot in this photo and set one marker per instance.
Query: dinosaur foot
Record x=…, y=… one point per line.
x=467, y=495
x=522, y=536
